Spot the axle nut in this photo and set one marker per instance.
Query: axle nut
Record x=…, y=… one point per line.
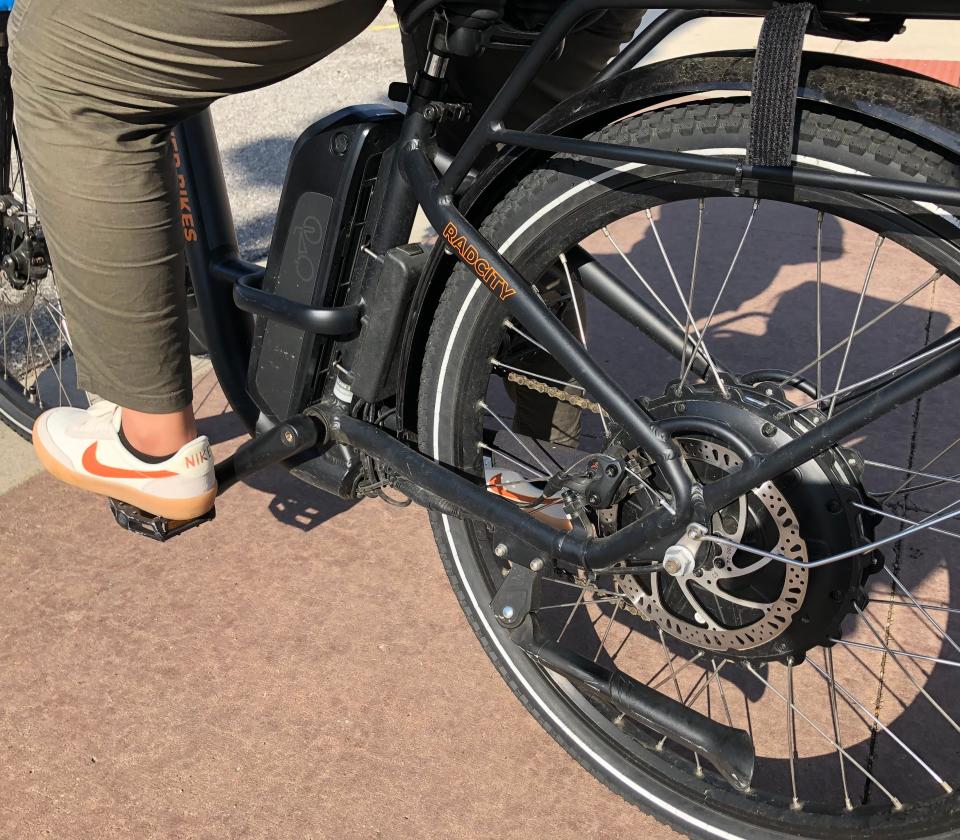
x=678, y=560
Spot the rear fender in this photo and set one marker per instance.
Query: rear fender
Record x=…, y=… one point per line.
x=921, y=107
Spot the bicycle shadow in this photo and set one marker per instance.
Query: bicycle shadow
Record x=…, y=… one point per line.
x=292, y=502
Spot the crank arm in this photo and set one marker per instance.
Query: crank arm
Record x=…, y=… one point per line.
x=289, y=438
x=728, y=749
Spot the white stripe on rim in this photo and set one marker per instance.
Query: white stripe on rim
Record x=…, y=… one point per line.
x=479, y=609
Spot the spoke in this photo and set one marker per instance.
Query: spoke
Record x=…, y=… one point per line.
x=606, y=632
x=939, y=481
x=819, y=314
x=580, y=327
x=517, y=461
x=677, y=671
x=893, y=800
x=937, y=629
x=716, y=300
x=676, y=684
x=584, y=588
x=896, y=652
x=925, y=524
x=6, y=365
x=902, y=519
x=570, y=617
x=514, y=435
x=532, y=375
x=901, y=487
x=930, y=485
x=512, y=326
x=933, y=351
x=903, y=668
x=29, y=360
x=891, y=308
x=60, y=371
x=669, y=661
x=53, y=367
x=856, y=319
x=703, y=681
x=894, y=603
x=666, y=309
x=832, y=683
x=611, y=600
x=719, y=682
x=849, y=697
x=690, y=322
x=62, y=317
x=792, y=736
x=693, y=285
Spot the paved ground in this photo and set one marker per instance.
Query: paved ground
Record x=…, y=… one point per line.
x=298, y=669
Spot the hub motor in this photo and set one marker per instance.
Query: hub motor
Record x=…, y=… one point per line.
x=730, y=600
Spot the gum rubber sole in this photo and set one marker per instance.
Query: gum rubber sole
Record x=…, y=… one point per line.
x=176, y=509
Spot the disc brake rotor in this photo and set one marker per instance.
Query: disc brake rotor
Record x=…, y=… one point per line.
x=738, y=601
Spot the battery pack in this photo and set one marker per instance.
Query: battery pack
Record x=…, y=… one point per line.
x=319, y=231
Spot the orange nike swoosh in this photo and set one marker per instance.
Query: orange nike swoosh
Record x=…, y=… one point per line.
x=94, y=467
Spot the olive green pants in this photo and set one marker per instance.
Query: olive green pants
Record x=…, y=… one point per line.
x=99, y=84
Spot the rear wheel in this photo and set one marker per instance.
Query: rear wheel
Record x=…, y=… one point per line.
x=844, y=675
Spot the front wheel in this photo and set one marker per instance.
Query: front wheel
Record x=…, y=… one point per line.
x=802, y=301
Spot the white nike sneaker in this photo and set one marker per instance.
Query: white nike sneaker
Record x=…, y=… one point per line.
x=83, y=448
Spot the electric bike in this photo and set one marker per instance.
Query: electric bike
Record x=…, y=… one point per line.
x=676, y=383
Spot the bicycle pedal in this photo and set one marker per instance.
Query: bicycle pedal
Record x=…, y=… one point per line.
x=158, y=528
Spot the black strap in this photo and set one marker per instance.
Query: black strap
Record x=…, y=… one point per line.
x=776, y=73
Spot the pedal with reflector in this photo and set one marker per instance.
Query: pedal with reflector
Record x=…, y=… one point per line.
x=156, y=527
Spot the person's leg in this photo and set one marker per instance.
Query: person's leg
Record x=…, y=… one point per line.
x=159, y=434
x=99, y=87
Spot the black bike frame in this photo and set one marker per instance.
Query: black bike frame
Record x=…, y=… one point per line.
x=213, y=258
x=216, y=268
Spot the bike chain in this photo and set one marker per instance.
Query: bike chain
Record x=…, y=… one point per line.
x=555, y=393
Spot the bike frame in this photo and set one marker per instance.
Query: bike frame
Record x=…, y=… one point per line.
x=217, y=271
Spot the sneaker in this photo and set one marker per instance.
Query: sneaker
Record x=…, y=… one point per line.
x=83, y=448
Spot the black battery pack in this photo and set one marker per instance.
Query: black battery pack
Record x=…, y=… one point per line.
x=323, y=209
